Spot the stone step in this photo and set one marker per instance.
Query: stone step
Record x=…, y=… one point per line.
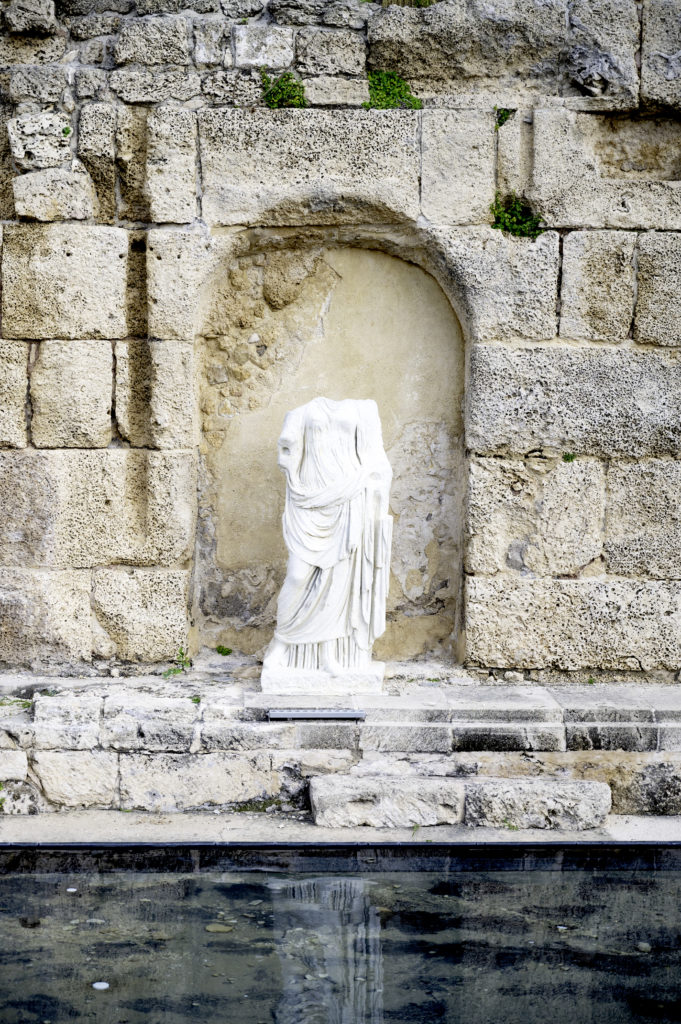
x=389, y=802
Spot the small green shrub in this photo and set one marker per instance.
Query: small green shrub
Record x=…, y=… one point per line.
x=182, y=663
x=224, y=651
x=387, y=91
x=591, y=681
x=502, y=115
x=568, y=457
x=2, y=799
x=195, y=699
x=284, y=91
x=515, y=215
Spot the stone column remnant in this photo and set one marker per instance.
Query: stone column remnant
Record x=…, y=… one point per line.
x=338, y=533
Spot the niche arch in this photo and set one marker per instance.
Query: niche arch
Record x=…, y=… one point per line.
x=299, y=312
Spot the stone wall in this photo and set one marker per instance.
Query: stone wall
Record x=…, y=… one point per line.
x=141, y=175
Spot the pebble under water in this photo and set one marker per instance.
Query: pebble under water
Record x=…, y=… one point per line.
x=335, y=939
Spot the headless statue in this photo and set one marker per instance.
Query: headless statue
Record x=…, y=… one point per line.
x=338, y=533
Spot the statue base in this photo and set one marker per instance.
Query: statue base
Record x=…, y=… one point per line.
x=299, y=680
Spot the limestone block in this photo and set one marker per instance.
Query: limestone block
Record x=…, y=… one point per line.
x=609, y=736
x=140, y=722
x=153, y=40
x=64, y=281
x=294, y=166
x=71, y=384
x=13, y=389
x=658, y=306
x=535, y=516
x=536, y=803
x=398, y=736
x=212, y=42
x=330, y=52
x=43, y=84
x=147, y=86
x=7, y=167
x=77, y=778
x=90, y=508
x=573, y=624
x=608, y=190
x=96, y=134
x=325, y=736
x=131, y=149
x=143, y=612
x=508, y=286
x=342, y=802
x=597, y=294
x=653, y=787
x=31, y=17
x=57, y=193
x=184, y=782
x=328, y=91
x=68, y=722
x=566, y=399
x=27, y=50
x=237, y=9
x=458, y=166
x=45, y=618
x=661, y=53
x=643, y=526
x=13, y=765
x=175, y=6
x=24, y=798
x=89, y=83
x=40, y=140
x=505, y=736
x=262, y=45
x=93, y=25
x=155, y=393
x=525, y=47
x=171, y=165
x=233, y=88
x=227, y=734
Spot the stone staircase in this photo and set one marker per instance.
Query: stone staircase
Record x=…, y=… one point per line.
x=427, y=752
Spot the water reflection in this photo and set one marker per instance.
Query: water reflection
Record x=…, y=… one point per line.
x=328, y=937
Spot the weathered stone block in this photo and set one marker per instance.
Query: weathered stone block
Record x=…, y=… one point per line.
x=597, y=294
x=523, y=704
x=394, y=736
x=342, y=802
x=566, y=399
x=93, y=25
x=45, y=618
x=262, y=45
x=155, y=393
x=573, y=624
x=537, y=516
x=143, y=612
x=64, y=281
x=661, y=53
x=536, y=803
x=330, y=52
x=131, y=150
x=297, y=166
x=658, y=306
x=68, y=722
x=89, y=508
x=77, y=778
x=13, y=765
x=643, y=526
x=40, y=140
x=140, y=722
x=609, y=736
x=457, y=185
x=57, y=193
x=147, y=86
x=508, y=286
x=325, y=736
x=227, y=734
x=505, y=736
x=71, y=385
x=13, y=391
x=233, y=88
x=43, y=84
x=328, y=91
x=184, y=782
x=27, y=50
x=31, y=17
x=212, y=42
x=96, y=134
x=611, y=190
x=90, y=82
x=607, y=703
x=171, y=165
x=153, y=40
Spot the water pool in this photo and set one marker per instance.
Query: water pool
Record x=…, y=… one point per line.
x=344, y=935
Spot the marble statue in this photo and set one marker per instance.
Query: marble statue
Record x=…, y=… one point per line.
x=338, y=533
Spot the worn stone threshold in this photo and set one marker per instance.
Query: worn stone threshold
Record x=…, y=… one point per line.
x=106, y=827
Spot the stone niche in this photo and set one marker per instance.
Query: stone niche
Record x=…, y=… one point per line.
x=279, y=328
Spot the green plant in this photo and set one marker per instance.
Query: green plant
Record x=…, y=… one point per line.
x=15, y=702
x=515, y=215
x=2, y=799
x=66, y=131
x=195, y=699
x=502, y=115
x=257, y=806
x=284, y=91
x=568, y=457
x=387, y=91
x=182, y=663
x=591, y=681
x=510, y=827
x=414, y=831
x=224, y=651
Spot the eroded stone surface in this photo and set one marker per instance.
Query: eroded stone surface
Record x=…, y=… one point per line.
x=13, y=390
x=643, y=536
x=658, y=306
x=55, y=194
x=77, y=778
x=597, y=294
x=40, y=140
x=179, y=782
x=536, y=803
x=66, y=722
x=457, y=184
x=385, y=803
x=71, y=384
x=142, y=612
x=171, y=165
x=155, y=393
x=46, y=618
x=661, y=53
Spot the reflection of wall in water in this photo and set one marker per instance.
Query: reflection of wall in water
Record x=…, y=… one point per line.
x=327, y=936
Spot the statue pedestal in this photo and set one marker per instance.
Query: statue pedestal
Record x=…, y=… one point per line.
x=298, y=680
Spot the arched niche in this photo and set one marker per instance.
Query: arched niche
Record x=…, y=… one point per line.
x=279, y=327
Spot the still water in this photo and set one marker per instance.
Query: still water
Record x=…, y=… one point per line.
x=345, y=936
